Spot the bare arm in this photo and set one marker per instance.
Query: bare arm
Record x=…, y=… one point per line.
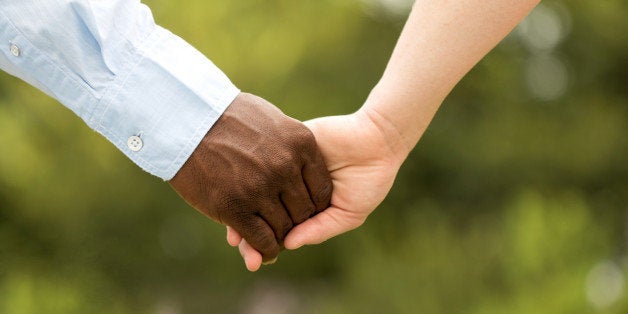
x=440, y=43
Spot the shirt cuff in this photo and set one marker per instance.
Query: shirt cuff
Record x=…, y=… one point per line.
x=163, y=105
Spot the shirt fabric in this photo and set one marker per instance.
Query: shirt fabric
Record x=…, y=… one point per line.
x=146, y=90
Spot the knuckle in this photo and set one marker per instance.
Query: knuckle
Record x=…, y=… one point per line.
x=298, y=137
x=304, y=137
x=285, y=166
x=306, y=134
x=284, y=161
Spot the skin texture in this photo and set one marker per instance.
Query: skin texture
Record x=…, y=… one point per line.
x=363, y=166
x=441, y=41
x=259, y=172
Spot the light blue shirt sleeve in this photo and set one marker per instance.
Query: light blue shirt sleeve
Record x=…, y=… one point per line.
x=146, y=90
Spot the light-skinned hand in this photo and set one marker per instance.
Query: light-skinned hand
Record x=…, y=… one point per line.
x=363, y=162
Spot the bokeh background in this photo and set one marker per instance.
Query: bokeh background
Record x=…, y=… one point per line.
x=514, y=201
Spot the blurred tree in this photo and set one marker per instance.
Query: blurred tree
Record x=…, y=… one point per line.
x=514, y=201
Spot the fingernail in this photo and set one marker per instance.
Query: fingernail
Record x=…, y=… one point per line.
x=270, y=262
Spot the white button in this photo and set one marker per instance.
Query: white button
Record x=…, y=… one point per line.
x=135, y=143
x=15, y=50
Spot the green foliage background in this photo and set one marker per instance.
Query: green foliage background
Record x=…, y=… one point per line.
x=513, y=202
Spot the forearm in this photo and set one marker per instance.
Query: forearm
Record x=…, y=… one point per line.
x=440, y=43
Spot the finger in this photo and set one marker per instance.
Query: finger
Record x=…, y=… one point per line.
x=327, y=224
x=233, y=237
x=297, y=201
x=258, y=234
x=252, y=258
x=318, y=181
x=277, y=217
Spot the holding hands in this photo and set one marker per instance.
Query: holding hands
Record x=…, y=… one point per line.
x=363, y=163
x=258, y=171
x=440, y=43
x=274, y=181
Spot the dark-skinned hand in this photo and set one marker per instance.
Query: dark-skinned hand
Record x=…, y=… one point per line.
x=257, y=171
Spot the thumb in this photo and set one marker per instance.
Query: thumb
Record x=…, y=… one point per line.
x=233, y=237
x=324, y=226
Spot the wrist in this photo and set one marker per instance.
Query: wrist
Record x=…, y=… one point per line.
x=381, y=127
x=402, y=115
